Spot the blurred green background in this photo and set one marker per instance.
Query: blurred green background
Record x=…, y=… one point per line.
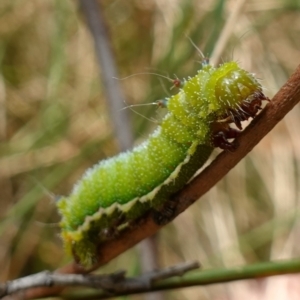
x=54, y=123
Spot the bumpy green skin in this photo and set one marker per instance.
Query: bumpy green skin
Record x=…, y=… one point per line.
x=128, y=185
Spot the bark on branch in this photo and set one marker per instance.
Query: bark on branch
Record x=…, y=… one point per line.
x=109, y=284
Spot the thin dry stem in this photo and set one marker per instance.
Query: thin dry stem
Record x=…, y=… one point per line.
x=114, y=283
x=115, y=97
x=115, y=100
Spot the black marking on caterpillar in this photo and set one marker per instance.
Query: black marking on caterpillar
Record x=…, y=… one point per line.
x=166, y=213
x=122, y=189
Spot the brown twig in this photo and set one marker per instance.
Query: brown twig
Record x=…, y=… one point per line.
x=204, y=278
x=287, y=97
x=109, y=283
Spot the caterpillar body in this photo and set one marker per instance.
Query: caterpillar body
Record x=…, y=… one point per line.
x=123, y=188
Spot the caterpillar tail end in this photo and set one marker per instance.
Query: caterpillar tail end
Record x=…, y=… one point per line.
x=83, y=251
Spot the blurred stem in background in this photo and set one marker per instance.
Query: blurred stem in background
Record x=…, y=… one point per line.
x=115, y=100
x=114, y=97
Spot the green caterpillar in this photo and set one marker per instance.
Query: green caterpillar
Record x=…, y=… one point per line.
x=123, y=188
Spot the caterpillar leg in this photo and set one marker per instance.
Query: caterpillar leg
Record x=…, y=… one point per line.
x=221, y=137
x=165, y=214
x=248, y=109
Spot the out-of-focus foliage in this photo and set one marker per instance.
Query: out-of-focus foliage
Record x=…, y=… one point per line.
x=54, y=124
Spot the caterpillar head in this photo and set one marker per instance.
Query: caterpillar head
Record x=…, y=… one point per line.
x=237, y=97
